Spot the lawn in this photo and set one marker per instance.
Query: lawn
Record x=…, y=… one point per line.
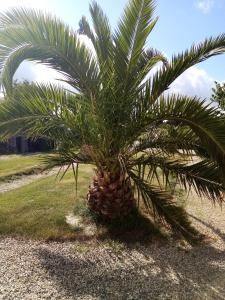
x=38, y=210
x=14, y=165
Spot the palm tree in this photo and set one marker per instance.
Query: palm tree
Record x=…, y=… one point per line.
x=115, y=115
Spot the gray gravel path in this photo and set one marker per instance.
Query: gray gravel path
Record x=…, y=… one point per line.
x=38, y=270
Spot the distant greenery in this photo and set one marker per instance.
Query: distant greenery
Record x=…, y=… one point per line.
x=218, y=94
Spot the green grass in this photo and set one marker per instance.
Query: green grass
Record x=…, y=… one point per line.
x=38, y=210
x=14, y=165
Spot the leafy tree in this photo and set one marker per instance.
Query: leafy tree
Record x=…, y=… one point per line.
x=218, y=94
x=115, y=116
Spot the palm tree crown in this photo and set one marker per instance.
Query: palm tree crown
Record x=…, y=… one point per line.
x=115, y=116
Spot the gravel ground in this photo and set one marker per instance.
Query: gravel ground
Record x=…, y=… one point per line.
x=38, y=270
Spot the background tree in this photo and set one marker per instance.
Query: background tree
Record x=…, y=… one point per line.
x=218, y=94
x=113, y=116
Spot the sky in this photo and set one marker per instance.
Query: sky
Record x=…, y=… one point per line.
x=181, y=23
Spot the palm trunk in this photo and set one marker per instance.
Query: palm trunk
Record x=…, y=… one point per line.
x=111, y=196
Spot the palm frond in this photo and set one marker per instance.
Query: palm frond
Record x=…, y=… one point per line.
x=148, y=60
x=130, y=37
x=85, y=29
x=103, y=39
x=26, y=34
x=205, y=177
x=163, y=78
x=40, y=111
x=198, y=116
x=165, y=209
x=66, y=157
x=169, y=139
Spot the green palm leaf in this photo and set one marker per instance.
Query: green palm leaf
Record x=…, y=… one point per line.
x=164, y=208
x=202, y=119
x=130, y=37
x=181, y=62
x=31, y=35
x=205, y=177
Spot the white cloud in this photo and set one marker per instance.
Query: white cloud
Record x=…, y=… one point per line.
x=193, y=82
x=205, y=6
x=25, y=72
x=36, y=72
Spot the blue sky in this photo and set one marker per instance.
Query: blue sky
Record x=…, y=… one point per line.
x=181, y=23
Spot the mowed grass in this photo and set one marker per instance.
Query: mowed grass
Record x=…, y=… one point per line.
x=39, y=209
x=17, y=164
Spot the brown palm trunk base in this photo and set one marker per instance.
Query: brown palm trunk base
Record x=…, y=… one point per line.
x=110, y=198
